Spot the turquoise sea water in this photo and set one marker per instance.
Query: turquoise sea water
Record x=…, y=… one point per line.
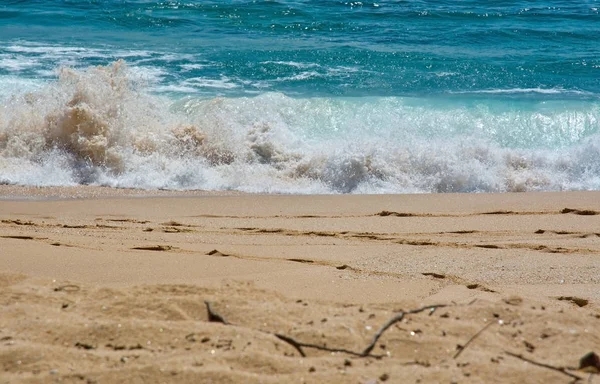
x=301, y=96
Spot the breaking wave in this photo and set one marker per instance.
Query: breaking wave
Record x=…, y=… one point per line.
x=100, y=126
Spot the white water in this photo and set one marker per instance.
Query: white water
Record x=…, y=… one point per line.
x=102, y=127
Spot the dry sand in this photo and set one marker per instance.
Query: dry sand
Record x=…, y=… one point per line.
x=110, y=287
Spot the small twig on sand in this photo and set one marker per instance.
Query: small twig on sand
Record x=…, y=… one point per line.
x=291, y=342
x=213, y=316
x=398, y=317
x=562, y=370
x=298, y=345
x=463, y=347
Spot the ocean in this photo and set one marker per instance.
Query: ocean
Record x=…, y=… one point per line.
x=302, y=97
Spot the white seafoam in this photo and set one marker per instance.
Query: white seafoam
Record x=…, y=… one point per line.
x=101, y=126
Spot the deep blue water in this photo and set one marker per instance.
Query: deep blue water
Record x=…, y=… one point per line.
x=301, y=96
x=388, y=48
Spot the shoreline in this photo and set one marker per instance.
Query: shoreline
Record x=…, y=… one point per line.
x=42, y=193
x=15, y=193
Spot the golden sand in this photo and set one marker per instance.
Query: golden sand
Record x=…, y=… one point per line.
x=105, y=285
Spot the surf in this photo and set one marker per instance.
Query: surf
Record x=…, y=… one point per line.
x=102, y=126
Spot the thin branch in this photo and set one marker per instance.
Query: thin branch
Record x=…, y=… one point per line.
x=398, y=317
x=298, y=345
x=562, y=370
x=291, y=342
x=463, y=347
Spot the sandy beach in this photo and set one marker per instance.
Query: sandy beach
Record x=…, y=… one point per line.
x=102, y=286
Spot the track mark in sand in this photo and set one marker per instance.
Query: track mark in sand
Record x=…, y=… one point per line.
x=274, y=230
x=174, y=227
x=459, y=281
x=343, y=267
x=135, y=221
x=395, y=238
x=321, y=234
x=320, y=263
x=383, y=213
x=575, y=300
x=74, y=226
x=215, y=252
x=499, y=212
x=265, y=230
x=368, y=236
x=18, y=222
x=586, y=235
x=175, y=230
x=122, y=347
x=441, y=276
x=581, y=235
x=583, y=212
x=420, y=243
x=124, y=220
x=60, y=225
x=480, y=287
x=58, y=244
x=531, y=247
x=209, y=216
x=86, y=226
x=341, y=235
x=387, y=213
x=107, y=226
x=488, y=246
x=304, y=261
x=511, y=213
x=155, y=248
x=396, y=214
x=433, y=274
x=43, y=240
x=67, y=288
x=173, y=223
x=357, y=235
x=20, y=237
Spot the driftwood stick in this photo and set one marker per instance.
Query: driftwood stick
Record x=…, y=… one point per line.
x=398, y=317
x=463, y=347
x=562, y=370
x=298, y=345
x=291, y=342
x=213, y=316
